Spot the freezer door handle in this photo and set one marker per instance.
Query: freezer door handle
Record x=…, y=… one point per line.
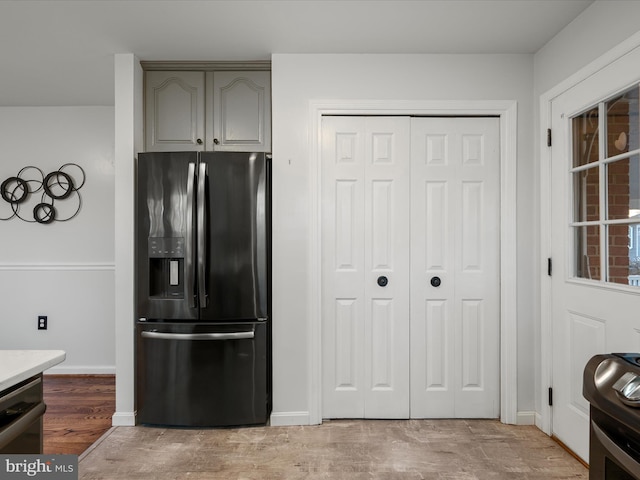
x=190, y=271
x=199, y=336
x=202, y=236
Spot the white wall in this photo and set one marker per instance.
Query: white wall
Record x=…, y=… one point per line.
x=64, y=270
x=595, y=31
x=299, y=79
x=129, y=140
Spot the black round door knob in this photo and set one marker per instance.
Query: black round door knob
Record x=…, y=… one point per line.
x=382, y=281
x=435, y=281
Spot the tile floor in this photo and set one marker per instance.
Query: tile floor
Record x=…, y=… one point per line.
x=338, y=449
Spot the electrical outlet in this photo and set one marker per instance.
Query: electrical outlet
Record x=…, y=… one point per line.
x=42, y=322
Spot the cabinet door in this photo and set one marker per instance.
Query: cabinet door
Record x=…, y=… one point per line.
x=174, y=110
x=239, y=111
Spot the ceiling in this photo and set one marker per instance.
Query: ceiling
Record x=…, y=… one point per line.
x=61, y=52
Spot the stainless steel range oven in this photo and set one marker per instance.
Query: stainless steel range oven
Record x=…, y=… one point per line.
x=612, y=387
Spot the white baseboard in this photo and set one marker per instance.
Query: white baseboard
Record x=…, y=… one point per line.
x=526, y=418
x=283, y=419
x=540, y=423
x=123, y=419
x=82, y=370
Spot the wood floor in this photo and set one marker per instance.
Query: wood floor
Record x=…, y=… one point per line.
x=79, y=411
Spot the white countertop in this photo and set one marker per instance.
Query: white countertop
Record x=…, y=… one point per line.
x=18, y=365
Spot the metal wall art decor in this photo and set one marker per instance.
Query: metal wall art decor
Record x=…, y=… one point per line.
x=35, y=197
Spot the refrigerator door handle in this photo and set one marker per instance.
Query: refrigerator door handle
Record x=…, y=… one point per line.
x=202, y=236
x=198, y=336
x=190, y=270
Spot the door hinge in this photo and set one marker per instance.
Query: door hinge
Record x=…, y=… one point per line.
x=550, y=396
x=549, y=266
x=548, y=137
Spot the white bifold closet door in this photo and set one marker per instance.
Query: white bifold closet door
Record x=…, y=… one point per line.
x=455, y=244
x=404, y=202
x=365, y=240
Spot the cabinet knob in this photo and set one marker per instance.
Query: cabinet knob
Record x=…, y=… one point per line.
x=199, y=141
x=216, y=141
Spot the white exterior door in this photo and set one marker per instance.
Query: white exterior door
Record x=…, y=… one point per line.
x=455, y=268
x=410, y=199
x=595, y=199
x=365, y=238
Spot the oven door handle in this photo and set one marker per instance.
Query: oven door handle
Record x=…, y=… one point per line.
x=8, y=397
x=619, y=455
x=20, y=424
x=199, y=336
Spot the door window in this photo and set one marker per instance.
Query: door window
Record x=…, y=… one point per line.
x=606, y=190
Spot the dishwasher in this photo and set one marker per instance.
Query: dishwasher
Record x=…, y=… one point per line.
x=21, y=417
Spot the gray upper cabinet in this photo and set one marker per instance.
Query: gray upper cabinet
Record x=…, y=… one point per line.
x=239, y=111
x=174, y=111
x=205, y=111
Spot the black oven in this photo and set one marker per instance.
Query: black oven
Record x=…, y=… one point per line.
x=21, y=412
x=612, y=387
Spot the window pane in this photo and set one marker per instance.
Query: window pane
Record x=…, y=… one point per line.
x=586, y=189
x=623, y=195
x=587, y=251
x=614, y=258
x=620, y=262
x=585, y=138
x=622, y=123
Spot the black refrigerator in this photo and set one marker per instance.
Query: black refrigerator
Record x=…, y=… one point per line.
x=203, y=330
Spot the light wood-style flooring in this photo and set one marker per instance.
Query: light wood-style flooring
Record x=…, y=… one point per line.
x=338, y=449
x=79, y=410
